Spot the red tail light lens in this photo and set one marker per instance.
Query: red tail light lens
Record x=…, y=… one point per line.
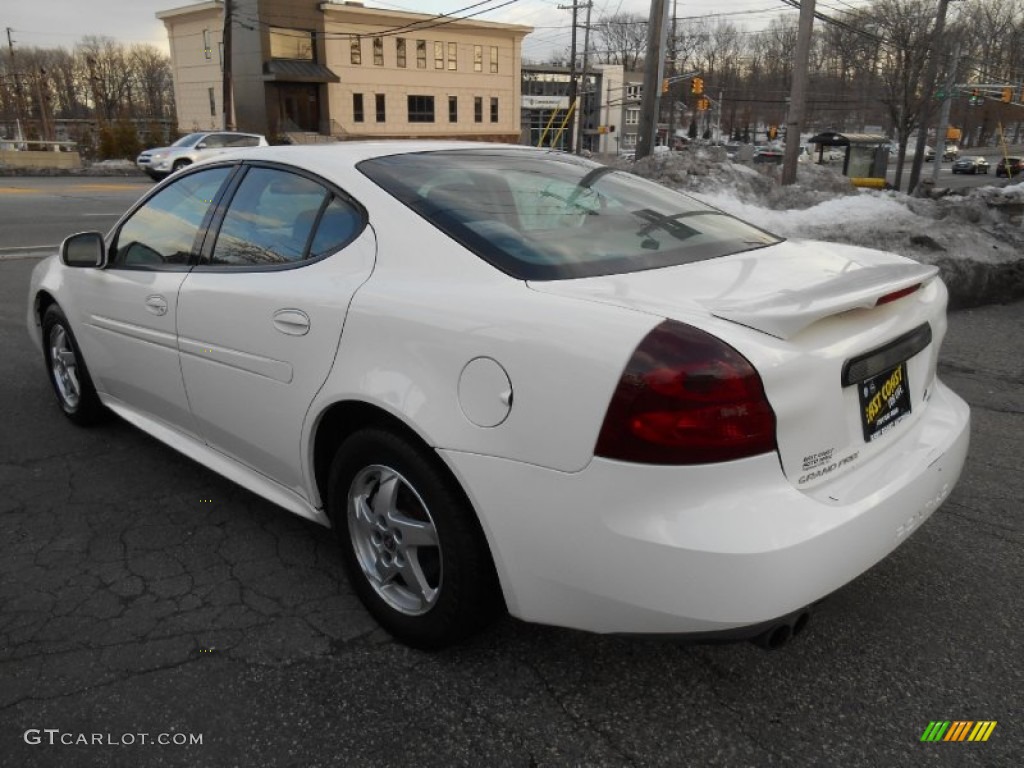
x=687, y=397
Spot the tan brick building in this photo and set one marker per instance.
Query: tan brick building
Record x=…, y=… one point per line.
x=346, y=70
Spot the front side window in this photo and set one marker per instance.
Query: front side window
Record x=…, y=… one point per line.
x=270, y=220
x=163, y=231
x=421, y=109
x=538, y=216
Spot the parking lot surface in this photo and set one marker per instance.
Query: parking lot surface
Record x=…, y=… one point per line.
x=142, y=594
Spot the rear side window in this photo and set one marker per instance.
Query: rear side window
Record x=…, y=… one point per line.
x=277, y=218
x=163, y=231
x=547, y=216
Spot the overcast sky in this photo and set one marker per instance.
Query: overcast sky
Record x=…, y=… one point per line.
x=51, y=23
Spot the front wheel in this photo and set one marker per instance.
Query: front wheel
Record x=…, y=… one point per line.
x=179, y=164
x=68, y=374
x=411, y=545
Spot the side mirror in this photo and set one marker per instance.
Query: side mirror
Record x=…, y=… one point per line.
x=86, y=249
x=201, y=145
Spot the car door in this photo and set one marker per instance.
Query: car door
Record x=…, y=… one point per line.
x=260, y=319
x=126, y=311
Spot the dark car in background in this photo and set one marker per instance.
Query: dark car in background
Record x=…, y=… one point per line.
x=971, y=165
x=1009, y=166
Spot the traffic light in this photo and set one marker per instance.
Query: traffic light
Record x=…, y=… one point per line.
x=697, y=87
x=773, y=131
x=664, y=85
x=1007, y=95
x=703, y=104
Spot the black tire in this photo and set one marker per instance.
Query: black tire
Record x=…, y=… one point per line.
x=179, y=164
x=457, y=594
x=67, y=371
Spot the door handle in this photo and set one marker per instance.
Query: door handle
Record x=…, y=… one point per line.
x=156, y=304
x=293, y=322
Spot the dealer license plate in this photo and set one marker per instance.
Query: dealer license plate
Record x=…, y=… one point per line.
x=884, y=401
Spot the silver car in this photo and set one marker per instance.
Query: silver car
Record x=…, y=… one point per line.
x=163, y=161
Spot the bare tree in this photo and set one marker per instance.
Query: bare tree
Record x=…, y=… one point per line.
x=621, y=39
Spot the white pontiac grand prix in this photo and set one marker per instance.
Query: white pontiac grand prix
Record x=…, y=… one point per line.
x=511, y=378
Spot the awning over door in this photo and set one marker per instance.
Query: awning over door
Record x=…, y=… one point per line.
x=289, y=71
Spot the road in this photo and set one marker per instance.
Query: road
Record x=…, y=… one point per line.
x=39, y=212
x=142, y=594
x=952, y=180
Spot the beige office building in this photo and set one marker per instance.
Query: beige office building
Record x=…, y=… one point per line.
x=303, y=67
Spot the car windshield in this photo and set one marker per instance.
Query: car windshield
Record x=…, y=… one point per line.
x=189, y=140
x=548, y=216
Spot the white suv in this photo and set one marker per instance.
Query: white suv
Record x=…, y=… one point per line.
x=162, y=161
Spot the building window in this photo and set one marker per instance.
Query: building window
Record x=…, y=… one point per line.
x=378, y=51
x=478, y=58
x=494, y=109
x=628, y=140
x=296, y=44
x=381, y=112
x=453, y=56
x=438, y=55
x=357, y=107
x=400, y=51
x=632, y=117
x=207, y=45
x=478, y=109
x=421, y=109
x=356, y=47
x=634, y=92
x=494, y=59
x=213, y=102
x=453, y=109
x=421, y=54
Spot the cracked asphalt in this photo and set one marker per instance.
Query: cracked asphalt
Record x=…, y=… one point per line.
x=142, y=594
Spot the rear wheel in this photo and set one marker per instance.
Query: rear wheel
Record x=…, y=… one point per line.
x=68, y=374
x=410, y=541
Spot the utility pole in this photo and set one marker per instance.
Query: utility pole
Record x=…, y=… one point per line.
x=672, y=72
x=572, y=72
x=798, y=93
x=583, y=78
x=226, y=91
x=657, y=29
x=929, y=84
x=947, y=102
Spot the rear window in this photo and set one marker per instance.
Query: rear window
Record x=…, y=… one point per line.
x=547, y=216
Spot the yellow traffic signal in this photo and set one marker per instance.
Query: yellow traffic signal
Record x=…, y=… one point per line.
x=697, y=87
x=664, y=85
x=1007, y=95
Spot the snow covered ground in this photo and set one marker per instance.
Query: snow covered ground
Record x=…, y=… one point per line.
x=976, y=238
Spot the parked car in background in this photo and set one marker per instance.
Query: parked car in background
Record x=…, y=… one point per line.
x=1009, y=166
x=951, y=152
x=162, y=161
x=970, y=164
x=768, y=154
x=515, y=379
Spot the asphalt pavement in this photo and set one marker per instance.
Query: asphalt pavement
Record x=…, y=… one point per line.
x=145, y=599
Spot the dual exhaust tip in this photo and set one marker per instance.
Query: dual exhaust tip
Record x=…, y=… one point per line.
x=783, y=631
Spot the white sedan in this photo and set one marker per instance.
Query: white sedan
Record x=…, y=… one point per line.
x=514, y=379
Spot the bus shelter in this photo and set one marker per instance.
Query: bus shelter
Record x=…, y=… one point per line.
x=865, y=158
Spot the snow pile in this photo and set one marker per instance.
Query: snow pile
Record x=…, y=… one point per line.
x=976, y=238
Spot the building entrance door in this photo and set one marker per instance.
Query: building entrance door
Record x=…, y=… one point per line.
x=299, y=106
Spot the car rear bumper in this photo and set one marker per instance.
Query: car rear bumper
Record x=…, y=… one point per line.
x=630, y=548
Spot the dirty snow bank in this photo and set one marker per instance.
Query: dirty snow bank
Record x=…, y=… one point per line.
x=976, y=238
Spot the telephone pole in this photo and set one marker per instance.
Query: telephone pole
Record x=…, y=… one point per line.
x=944, y=114
x=654, y=68
x=226, y=91
x=926, y=104
x=572, y=73
x=798, y=93
x=583, y=78
x=672, y=72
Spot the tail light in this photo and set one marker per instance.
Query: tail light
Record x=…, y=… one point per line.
x=686, y=397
